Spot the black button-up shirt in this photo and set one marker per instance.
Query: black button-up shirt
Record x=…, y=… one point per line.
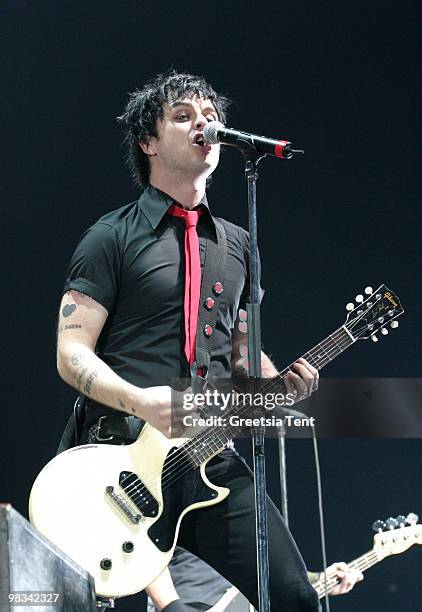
x=132, y=262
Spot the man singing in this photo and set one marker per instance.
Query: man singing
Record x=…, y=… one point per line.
x=127, y=324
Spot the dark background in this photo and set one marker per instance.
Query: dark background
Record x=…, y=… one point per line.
x=339, y=79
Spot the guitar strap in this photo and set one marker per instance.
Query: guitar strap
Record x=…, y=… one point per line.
x=73, y=427
x=212, y=289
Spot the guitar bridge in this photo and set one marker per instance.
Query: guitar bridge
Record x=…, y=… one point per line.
x=123, y=505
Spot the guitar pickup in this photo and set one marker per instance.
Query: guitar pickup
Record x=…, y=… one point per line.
x=139, y=494
x=123, y=505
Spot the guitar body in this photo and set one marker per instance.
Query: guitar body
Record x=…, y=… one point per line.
x=104, y=503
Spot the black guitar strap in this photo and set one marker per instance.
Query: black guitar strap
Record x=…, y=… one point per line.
x=212, y=289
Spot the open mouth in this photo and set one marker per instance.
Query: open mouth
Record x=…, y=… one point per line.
x=199, y=140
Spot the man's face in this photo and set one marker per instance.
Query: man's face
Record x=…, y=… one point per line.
x=177, y=150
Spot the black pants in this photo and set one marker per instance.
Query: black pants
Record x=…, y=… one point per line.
x=224, y=536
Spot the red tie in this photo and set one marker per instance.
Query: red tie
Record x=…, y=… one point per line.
x=192, y=277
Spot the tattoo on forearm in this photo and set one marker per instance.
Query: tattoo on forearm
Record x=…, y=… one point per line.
x=68, y=309
x=76, y=359
x=78, y=376
x=121, y=403
x=89, y=381
x=240, y=368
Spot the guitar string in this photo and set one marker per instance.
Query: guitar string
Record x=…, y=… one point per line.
x=341, y=345
x=183, y=460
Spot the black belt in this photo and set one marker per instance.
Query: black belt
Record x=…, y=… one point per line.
x=115, y=429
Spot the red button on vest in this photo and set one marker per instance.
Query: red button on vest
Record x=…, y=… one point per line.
x=209, y=303
x=218, y=288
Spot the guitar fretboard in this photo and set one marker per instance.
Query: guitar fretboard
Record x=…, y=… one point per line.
x=213, y=439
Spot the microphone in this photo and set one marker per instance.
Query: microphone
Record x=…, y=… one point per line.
x=215, y=132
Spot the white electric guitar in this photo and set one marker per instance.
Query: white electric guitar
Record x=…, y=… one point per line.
x=116, y=510
x=393, y=537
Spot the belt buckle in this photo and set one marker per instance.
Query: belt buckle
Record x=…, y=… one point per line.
x=97, y=431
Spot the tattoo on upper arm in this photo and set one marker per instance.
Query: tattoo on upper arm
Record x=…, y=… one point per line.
x=68, y=309
x=60, y=329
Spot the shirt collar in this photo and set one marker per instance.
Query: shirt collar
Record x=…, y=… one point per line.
x=155, y=204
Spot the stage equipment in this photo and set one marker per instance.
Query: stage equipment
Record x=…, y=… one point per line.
x=35, y=573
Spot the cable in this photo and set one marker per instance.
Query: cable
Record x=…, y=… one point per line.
x=321, y=515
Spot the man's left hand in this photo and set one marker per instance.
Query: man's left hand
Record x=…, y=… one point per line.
x=301, y=380
x=348, y=577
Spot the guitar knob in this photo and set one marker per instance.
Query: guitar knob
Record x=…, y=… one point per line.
x=374, y=338
x=129, y=547
x=384, y=331
x=105, y=564
x=394, y=324
x=391, y=523
x=378, y=526
x=401, y=520
x=350, y=306
x=412, y=518
x=359, y=298
x=368, y=290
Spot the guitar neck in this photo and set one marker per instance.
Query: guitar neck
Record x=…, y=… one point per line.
x=327, y=350
x=212, y=440
x=324, y=587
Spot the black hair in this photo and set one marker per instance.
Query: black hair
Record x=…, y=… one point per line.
x=145, y=106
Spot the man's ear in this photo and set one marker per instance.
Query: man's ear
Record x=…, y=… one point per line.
x=148, y=147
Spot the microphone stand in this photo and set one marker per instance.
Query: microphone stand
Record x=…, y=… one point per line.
x=252, y=158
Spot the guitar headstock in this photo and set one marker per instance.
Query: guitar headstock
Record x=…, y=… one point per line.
x=395, y=535
x=375, y=311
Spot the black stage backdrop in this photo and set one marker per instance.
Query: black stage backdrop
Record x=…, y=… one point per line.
x=339, y=79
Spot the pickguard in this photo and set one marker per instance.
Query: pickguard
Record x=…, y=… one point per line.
x=186, y=489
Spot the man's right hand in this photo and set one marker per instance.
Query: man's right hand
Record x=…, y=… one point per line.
x=153, y=405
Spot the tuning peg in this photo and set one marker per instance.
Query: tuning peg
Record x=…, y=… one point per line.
x=374, y=338
x=384, y=331
x=378, y=526
x=412, y=518
x=359, y=298
x=350, y=306
x=401, y=520
x=368, y=290
x=391, y=523
x=394, y=324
